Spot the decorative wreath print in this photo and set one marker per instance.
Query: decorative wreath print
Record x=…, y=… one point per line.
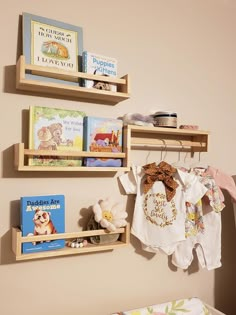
x=158, y=210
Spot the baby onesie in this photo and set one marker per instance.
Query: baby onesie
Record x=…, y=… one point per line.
x=207, y=242
x=207, y=245
x=158, y=223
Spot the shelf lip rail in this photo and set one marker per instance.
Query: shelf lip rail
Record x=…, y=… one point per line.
x=63, y=74
x=18, y=240
x=30, y=84
x=146, y=143
x=70, y=235
x=21, y=154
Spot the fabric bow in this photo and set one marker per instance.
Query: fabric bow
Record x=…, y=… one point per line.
x=162, y=172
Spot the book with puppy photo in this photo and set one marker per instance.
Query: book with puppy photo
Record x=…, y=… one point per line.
x=99, y=65
x=42, y=215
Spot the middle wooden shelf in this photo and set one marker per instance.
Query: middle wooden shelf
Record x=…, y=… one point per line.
x=134, y=138
x=21, y=156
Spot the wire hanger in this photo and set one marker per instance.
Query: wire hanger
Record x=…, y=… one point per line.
x=165, y=150
x=178, y=162
x=199, y=163
x=181, y=164
x=149, y=152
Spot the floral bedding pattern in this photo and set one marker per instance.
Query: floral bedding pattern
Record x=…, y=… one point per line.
x=192, y=306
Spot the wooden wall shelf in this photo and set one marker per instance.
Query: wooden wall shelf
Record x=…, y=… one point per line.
x=21, y=160
x=18, y=240
x=62, y=89
x=156, y=138
x=135, y=137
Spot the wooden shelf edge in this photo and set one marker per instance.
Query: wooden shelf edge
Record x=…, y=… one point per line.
x=64, y=74
x=168, y=139
x=72, y=251
x=20, y=153
x=175, y=131
x=62, y=89
x=18, y=240
x=70, y=169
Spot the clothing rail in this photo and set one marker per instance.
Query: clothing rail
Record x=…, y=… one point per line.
x=163, y=139
x=143, y=143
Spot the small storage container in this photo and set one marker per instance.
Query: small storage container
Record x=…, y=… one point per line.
x=166, y=119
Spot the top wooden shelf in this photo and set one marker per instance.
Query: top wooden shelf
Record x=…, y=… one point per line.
x=66, y=90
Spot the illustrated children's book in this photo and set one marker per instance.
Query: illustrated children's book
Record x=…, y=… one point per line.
x=51, y=43
x=99, y=65
x=42, y=215
x=55, y=129
x=102, y=135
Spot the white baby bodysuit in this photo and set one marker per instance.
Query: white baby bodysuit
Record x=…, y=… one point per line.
x=157, y=223
x=207, y=243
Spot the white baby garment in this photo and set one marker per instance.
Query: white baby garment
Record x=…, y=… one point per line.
x=157, y=223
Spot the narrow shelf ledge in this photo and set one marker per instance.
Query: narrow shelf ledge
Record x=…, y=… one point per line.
x=168, y=139
x=21, y=156
x=193, y=140
x=18, y=240
x=63, y=89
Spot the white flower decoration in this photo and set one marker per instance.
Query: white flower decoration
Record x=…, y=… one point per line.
x=109, y=214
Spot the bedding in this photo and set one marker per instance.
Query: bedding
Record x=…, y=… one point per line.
x=190, y=306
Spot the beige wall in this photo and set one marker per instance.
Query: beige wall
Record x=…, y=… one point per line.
x=180, y=55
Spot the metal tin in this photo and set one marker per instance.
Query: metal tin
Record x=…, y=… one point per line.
x=165, y=119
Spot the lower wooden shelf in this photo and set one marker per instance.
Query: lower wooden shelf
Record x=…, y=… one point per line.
x=21, y=156
x=18, y=240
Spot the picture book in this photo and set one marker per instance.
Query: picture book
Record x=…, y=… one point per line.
x=42, y=215
x=99, y=65
x=102, y=135
x=55, y=129
x=51, y=43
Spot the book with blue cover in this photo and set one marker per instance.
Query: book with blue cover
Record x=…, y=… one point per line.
x=102, y=135
x=99, y=65
x=42, y=215
x=51, y=43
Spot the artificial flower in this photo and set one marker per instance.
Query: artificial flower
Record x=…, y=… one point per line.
x=109, y=214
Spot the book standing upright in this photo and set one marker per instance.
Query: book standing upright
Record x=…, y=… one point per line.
x=42, y=215
x=55, y=129
x=103, y=135
x=51, y=43
x=99, y=65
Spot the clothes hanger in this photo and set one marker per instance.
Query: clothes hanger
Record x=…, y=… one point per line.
x=181, y=164
x=178, y=162
x=165, y=150
x=199, y=164
x=149, y=152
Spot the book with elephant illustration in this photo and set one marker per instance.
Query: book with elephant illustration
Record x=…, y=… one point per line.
x=55, y=129
x=102, y=135
x=42, y=215
x=99, y=65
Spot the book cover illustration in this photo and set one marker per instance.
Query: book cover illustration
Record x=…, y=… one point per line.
x=42, y=215
x=52, y=43
x=102, y=135
x=101, y=65
x=55, y=129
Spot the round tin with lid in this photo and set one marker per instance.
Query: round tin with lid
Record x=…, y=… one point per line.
x=166, y=119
